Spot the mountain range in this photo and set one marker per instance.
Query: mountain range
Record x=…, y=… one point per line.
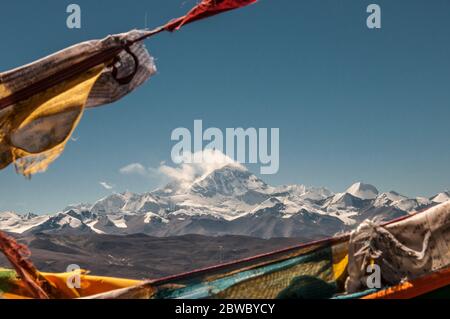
x=227, y=201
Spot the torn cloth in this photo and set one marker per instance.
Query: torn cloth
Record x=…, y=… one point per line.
x=42, y=103
x=408, y=249
x=207, y=8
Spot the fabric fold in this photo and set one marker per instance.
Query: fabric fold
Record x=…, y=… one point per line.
x=42, y=103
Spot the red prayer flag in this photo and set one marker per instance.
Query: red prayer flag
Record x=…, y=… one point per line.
x=206, y=8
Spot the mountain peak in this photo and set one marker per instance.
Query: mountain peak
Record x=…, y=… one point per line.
x=230, y=180
x=112, y=203
x=363, y=191
x=441, y=197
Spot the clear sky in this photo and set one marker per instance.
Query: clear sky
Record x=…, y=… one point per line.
x=351, y=103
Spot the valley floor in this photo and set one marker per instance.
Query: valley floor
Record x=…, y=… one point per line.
x=141, y=256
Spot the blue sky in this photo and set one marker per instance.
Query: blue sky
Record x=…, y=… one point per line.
x=351, y=103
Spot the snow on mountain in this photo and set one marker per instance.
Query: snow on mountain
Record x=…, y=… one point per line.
x=441, y=197
x=149, y=217
x=78, y=207
x=394, y=199
x=410, y=204
x=118, y=221
x=227, y=200
x=92, y=224
x=302, y=192
x=128, y=203
x=363, y=191
x=111, y=204
x=388, y=198
x=357, y=197
x=228, y=181
x=269, y=203
x=15, y=223
x=342, y=201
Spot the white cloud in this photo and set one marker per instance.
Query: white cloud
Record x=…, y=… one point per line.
x=187, y=173
x=134, y=169
x=106, y=185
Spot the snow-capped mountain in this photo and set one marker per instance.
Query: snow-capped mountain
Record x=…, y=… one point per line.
x=229, y=200
x=441, y=197
x=363, y=191
x=15, y=223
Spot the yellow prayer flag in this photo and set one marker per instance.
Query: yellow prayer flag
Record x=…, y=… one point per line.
x=42, y=103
